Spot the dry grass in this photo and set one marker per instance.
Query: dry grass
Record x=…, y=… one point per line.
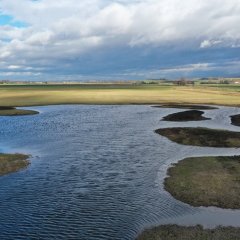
x=114, y=94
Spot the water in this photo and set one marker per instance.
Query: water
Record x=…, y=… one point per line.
x=96, y=173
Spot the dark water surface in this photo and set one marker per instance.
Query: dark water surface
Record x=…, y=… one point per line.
x=97, y=172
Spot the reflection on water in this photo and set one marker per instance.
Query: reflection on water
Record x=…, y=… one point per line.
x=97, y=173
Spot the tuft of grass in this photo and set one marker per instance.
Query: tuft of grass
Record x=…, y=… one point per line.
x=206, y=181
x=192, y=115
x=235, y=120
x=175, y=232
x=202, y=137
x=10, y=163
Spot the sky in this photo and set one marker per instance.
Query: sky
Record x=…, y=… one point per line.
x=84, y=40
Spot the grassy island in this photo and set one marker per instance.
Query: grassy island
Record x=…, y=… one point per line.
x=10, y=163
x=191, y=115
x=186, y=106
x=206, y=181
x=174, y=232
x=202, y=137
x=235, y=120
x=12, y=111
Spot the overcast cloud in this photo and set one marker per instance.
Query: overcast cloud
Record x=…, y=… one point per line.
x=118, y=39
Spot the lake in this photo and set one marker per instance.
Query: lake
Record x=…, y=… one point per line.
x=97, y=173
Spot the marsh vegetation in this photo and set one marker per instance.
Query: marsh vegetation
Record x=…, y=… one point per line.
x=191, y=115
x=206, y=181
x=174, y=232
x=235, y=120
x=203, y=137
x=10, y=163
x=12, y=111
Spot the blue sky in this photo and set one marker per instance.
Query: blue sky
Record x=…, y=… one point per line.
x=118, y=40
x=9, y=21
x=5, y=20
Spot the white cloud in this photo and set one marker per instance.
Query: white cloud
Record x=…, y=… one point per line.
x=65, y=29
x=9, y=74
x=211, y=43
x=13, y=67
x=205, y=44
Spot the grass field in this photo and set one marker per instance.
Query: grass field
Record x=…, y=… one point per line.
x=34, y=95
x=206, y=181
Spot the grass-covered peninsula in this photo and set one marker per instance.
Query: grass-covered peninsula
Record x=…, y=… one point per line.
x=174, y=232
x=202, y=137
x=12, y=111
x=206, y=181
x=191, y=115
x=10, y=163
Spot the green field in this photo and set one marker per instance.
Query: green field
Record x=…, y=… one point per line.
x=35, y=95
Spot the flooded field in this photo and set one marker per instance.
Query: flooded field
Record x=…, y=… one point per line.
x=97, y=173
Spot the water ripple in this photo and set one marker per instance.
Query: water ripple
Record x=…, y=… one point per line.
x=97, y=173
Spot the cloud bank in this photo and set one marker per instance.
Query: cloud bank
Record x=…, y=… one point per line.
x=72, y=37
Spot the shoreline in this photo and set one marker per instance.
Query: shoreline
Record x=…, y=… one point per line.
x=151, y=104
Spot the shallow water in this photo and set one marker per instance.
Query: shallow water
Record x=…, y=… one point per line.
x=96, y=173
